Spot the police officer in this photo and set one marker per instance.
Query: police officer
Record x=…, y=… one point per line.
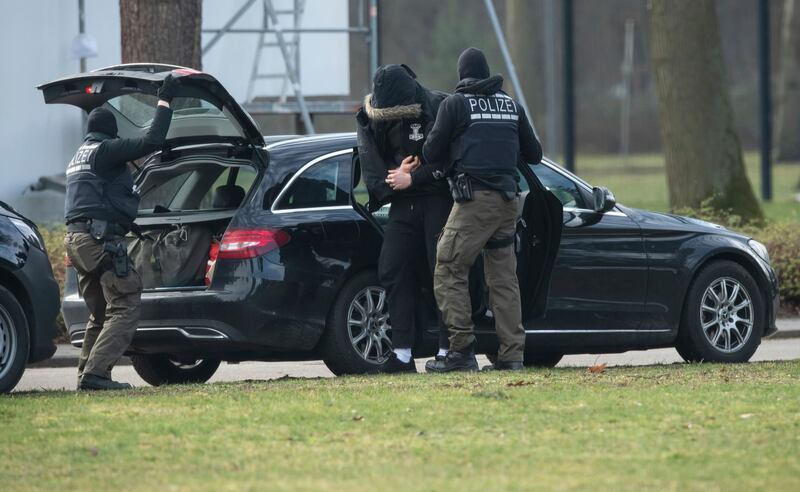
x=482, y=133
x=100, y=208
x=392, y=127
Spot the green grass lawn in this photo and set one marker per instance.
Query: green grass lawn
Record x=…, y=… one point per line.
x=641, y=183
x=677, y=427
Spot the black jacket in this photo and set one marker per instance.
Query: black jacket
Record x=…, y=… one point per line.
x=99, y=183
x=387, y=135
x=454, y=118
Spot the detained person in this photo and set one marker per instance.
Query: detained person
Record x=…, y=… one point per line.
x=392, y=127
x=481, y=133
x=100, y=208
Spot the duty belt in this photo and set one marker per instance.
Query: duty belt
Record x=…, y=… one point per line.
x=82, y=225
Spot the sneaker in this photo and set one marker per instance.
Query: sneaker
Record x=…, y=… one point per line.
x=454, y=361
x=504, y=366
x=395, y=365
x=91, y=382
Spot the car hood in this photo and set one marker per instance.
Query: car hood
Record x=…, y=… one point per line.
x=659, y=220
x=8, y=211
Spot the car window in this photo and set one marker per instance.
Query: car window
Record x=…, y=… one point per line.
x=191, y=186
x=244, y=179
x=562, y=187
x=164, y=193
x=324, y=184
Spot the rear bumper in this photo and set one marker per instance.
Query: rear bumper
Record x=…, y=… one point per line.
x=204, y=321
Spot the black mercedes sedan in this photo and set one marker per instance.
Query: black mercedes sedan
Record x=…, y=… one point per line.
x=263, y=249
x=29, y=298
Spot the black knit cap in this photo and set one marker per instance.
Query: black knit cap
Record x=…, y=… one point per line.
x=472, y=64
x=102, y=120
x=393, y=85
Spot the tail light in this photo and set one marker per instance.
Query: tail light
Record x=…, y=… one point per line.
x=242, y=244
x=213, y=253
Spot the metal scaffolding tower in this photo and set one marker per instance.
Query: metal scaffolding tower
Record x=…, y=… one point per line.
x=273, y=33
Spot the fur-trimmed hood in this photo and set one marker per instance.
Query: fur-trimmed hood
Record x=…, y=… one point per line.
x=392, y=112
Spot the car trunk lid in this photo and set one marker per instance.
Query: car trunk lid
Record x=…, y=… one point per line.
x=203, y=110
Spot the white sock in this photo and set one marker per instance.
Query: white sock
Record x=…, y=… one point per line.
x=404, y=354
x=442, y=353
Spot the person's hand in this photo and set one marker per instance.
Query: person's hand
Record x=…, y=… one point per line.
x=168, y=88
x=409, y=164
x=398, y=179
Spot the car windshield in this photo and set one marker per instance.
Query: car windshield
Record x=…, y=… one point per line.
x=191, y=117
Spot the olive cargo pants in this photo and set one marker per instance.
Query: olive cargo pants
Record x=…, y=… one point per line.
x=470, y=226
x=114, y=305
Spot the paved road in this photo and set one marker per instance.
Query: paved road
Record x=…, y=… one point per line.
x=64, y=378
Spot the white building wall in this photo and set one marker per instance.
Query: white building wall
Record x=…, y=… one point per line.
x=35, y=47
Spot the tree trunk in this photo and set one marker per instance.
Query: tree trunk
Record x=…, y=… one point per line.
x=702, y=152
x=787, y=102
x=523, y=27
x=161, y=31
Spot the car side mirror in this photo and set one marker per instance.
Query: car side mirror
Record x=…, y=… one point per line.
x=603, y=199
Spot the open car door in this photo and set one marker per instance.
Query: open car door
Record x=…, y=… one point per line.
x=539, y=237
x=203, y=110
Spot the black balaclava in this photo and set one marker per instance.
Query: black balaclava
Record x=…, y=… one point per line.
x=472, y=64
x=393, y=85
x=101, y=120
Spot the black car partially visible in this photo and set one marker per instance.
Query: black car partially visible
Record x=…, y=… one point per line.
x=29, y=298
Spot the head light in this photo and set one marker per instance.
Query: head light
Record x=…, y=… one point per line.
x=759, y=249
x=29, y=233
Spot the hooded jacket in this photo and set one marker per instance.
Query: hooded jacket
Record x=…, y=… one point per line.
x=99, y=184
x=392, y=125
x=444, y=144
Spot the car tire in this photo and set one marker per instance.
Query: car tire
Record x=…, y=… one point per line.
x=340, y=352
x=161, y=369
x=14, y=341
x=716, y=294
x=541, y=359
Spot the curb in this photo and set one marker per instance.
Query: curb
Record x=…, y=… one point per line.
x=68, y=360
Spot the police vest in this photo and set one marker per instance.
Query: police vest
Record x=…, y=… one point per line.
x=94, y=196
x=490, y=145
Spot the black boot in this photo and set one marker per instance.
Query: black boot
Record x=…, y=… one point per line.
x=463, y=361
x=504, y=366
x=395, y=365
x=92, y=382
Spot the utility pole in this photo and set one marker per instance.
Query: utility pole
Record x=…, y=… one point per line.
x=569, y=88
x=765, y=99
x=550, y=77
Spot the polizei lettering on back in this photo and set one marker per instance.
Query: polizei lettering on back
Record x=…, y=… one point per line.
x=80, y=161
x=494, y=107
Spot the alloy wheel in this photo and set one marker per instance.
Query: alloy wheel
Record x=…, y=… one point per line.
x=8, y=342
x=368, y=325
x=726, y=314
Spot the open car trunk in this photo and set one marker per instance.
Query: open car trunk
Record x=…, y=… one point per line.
x=186, y=207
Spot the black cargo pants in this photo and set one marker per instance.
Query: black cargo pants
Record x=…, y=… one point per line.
x=408, y=258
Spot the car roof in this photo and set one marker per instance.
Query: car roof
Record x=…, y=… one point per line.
x=283, y=143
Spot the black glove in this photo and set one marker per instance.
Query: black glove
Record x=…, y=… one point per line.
x=168, y=88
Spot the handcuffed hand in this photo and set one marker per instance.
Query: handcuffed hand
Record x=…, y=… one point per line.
x=409, y=164
x=168, y=88
x=398, y=179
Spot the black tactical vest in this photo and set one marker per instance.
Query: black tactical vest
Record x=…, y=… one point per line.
x=489, y=147
x=94, y=196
